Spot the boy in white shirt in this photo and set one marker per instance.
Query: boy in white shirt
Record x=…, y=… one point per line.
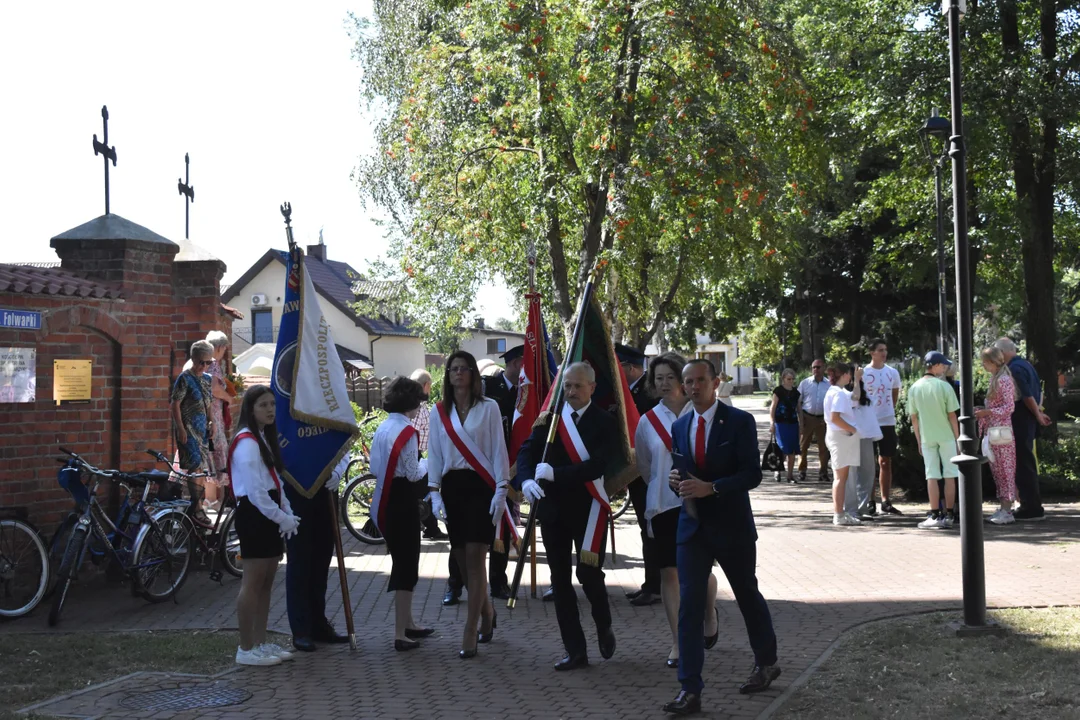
x=882, y=385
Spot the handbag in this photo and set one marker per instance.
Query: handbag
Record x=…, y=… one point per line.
x=986, y=451
x=1000, y=435
x=773, y=459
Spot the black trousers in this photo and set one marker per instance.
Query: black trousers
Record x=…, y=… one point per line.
x=1027, y=474
x=309, y=554
x=637, y=490
x=564, y=534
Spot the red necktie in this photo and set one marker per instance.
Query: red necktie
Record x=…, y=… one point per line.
x=699, y=444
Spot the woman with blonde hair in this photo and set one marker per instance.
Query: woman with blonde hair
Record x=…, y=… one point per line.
x=218, y=430
x=1000, y=401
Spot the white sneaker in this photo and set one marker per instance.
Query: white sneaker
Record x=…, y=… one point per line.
x=1003, y=517
x=946, y=521
x=275, y=650
x=844, y=519
x=255, y=657
x=933, y=521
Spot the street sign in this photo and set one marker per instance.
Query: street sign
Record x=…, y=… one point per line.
x=20, y=319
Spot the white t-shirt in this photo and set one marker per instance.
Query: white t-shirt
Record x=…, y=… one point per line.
x=839, y=400
x=879, y=385
x=866, y=422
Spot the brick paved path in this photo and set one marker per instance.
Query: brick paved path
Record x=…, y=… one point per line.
x=819, y=581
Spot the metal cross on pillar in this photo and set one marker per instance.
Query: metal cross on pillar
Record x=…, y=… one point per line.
x=103, y=148
x=188, y=191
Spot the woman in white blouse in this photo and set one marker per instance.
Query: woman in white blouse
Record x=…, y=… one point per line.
x=263, y=519
x=395, y=460
x=842, y=438
x=468, y=474
x=652, y=444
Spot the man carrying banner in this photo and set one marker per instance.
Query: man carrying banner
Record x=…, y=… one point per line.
x=632, y=361
x=317, y=427
x=574, y=513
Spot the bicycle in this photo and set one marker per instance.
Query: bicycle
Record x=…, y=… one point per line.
x=24, y=564
x=219, y=540
x=151, y=541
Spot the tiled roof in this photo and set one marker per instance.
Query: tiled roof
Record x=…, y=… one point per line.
x=378, y=289
x=53, y=281
x=114, y=227
x=232, y=312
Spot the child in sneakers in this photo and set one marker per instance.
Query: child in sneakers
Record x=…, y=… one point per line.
x=933, y=405
x=841, y=438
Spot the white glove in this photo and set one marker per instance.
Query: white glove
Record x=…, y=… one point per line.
x=423, y=468
x=437, y=507
x=532, y=490
x=545, y=472
x=498, y=504
x=288, y=526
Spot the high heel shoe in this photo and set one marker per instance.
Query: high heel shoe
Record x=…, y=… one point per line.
x=672, y=663
x=486, y=638
x=466, y=654
x=403, y=645
x=415, y=633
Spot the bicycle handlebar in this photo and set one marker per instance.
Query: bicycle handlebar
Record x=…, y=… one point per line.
x=87, y=466
x=179, y=473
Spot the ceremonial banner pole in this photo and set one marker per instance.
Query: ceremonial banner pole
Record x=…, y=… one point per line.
x=308, y=380
x=556, y=412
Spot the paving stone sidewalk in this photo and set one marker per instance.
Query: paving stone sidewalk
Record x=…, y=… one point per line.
x=819, y=581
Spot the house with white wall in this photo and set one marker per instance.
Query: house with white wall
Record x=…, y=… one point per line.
x=386, y=342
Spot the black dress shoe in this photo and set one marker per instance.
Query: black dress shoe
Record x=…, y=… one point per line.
x=403, y=645
x=634, y=594
x=685, y=703
x=606, y=641
x=672, y=663
x=710, y=640
x=329, y=636
x=549, y=595
x=452, y=597
x=572, y=662
x=435, y=534
x=760, y=679
x=645, y=598
x=414, y=633
x=501, y=593
x=303, y=644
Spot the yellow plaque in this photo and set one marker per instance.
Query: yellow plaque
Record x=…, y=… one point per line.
x=72, y=380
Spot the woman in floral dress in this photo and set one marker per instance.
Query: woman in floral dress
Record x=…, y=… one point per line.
x=1000, y=401
x=218, y=431
x=190, y=406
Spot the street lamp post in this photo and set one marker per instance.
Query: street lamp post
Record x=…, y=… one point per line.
x=935, y=136
x=969, y=461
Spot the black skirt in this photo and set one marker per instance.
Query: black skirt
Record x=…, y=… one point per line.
x=665, y=527
x=259, y=535
x=468, y=501
x=403, y=535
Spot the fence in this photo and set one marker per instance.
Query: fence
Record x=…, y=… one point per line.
x=365, y=390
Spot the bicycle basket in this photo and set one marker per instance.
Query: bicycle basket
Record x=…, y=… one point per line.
x=70, y=479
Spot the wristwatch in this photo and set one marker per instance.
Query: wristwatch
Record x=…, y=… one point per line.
x=715, y=489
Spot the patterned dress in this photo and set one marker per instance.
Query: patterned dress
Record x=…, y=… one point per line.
x=221, y=443
x=1004, y=465
x=193, y=394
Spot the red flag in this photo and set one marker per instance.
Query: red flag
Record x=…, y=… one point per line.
x=535, y=379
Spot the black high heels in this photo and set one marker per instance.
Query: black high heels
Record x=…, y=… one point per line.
x=466, y=654
x=486, y=638
x=403, y=645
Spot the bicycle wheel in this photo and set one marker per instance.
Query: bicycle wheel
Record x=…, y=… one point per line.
x=24, y=568
x=57, y=546
x=229, y=548
x=356, y=510
x=69, y=567
x=162, y=556
x=619, y=502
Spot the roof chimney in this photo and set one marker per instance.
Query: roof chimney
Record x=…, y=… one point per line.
x=317, y=251
x=479, y=323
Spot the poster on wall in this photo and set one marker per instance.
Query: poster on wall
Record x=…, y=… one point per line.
x=72, y=381
x=18, y=375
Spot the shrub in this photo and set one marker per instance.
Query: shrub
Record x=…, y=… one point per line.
x=1059, y=463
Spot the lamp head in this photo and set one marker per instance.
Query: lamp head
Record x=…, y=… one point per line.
x=935, y=135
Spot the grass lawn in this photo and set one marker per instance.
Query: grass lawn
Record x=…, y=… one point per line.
x=38, y=667
x=914, y=668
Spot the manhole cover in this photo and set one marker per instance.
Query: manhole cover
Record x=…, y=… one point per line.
x=186, y=698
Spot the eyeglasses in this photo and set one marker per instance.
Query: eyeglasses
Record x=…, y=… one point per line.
x=202, y=363
x=459, y=369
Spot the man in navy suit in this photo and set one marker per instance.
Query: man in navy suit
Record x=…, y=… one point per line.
x=719, y=466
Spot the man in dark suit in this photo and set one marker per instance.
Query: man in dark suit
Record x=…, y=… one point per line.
x=562, y=487
x=718, y=467
x=502, y=388
x=633, y=365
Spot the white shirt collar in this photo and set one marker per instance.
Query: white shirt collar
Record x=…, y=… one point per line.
x=506, y=379
x=708, y=414
x=582, y=411
x=634, y=384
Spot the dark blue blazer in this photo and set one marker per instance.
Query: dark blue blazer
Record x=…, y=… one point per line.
x=733, y=464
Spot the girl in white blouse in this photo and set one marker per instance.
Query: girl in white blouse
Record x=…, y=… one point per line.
x=395, y=460
x=263, y=519
x=468, y=474
x=652, y=444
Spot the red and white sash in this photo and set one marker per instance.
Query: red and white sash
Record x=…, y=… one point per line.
x=247, y=434
x=662, y=432
x=384, y=479
x=479, y=462
x=601, y=506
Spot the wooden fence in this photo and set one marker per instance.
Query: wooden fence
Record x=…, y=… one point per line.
x=366, y=391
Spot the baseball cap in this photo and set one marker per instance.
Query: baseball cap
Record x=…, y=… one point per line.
x=936, y=358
